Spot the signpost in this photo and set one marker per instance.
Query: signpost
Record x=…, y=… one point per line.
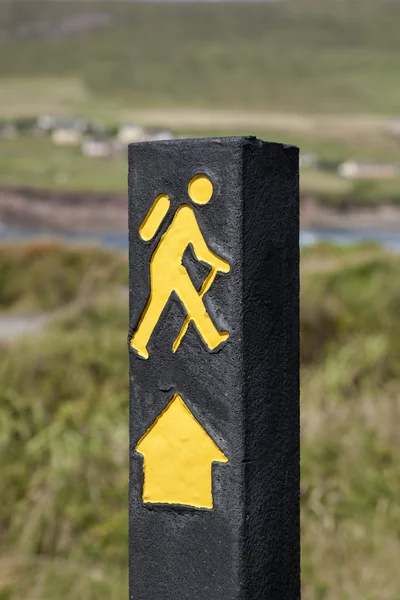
x=214, y=351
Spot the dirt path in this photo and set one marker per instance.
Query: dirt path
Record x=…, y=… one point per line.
x=318, y=126
x=14, y=326
x=108, y=213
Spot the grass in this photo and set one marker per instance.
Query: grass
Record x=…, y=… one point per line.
x=333, y=63
x=47, y=275
x=38, y=163
x=304, y=57
x=350, y=452
x=67, y=531
x=44, y=94
x=64, y=437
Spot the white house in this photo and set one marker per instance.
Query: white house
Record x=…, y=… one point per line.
x=131, y=133
x=356, y=169
x=46, y=123
x=394, y=126
x=66, y=137
x=68, y=131
x=161, y=135
x=307, y=160
x=96, y=148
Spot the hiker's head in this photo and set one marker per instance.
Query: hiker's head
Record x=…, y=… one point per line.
x=200, y=189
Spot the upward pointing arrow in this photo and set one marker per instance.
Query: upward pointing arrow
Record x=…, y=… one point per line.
x=178, y=454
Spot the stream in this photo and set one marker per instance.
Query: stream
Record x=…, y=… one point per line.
x=119, y=241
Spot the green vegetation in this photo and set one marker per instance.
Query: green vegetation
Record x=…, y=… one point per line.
x=332, y=65
x=301, y=56
x=45, y=166
x=64, y=443
x=47, y=275
x=331, y=189
x=350, y=408
x=37, y=162
x=64, y=438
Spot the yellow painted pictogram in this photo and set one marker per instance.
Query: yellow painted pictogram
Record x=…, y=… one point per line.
x=178, y=456
x=156, y=214
x=168, y=275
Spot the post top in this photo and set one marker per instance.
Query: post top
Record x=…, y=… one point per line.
x=235, y=139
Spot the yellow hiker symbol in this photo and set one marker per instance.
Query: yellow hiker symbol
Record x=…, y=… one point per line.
x=168, y=275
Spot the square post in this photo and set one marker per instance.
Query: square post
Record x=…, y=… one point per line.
x=214, y=370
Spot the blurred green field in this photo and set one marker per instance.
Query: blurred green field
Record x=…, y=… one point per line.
x=64, y=425
x=64, y=389
x=302, y=56
x=320, y=74
x=37, y=163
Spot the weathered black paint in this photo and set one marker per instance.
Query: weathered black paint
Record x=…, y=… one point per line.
x=246, y=394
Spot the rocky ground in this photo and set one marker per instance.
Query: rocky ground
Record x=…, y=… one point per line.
x=102, y=212
x=64, y=211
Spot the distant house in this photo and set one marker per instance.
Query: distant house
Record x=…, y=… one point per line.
x=97, y=148
x=66, y=137
x=51, y=123
x=160, y=135
x=8, y=131
x=131, y=133
x=46, y=123
x=393, y=127
x=356, y=169
x=68, y=132
x=308, y=160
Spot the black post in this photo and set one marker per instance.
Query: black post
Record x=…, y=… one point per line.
x=214, y=370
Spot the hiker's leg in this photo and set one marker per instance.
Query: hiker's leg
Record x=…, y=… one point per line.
x=198, y=313
x=155, y=305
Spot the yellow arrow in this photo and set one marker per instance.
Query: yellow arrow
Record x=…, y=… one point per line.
x=178, y=456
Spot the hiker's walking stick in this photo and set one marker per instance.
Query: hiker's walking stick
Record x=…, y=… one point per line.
x=207, y=283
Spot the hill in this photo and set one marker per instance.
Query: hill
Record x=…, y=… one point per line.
x=301, y=56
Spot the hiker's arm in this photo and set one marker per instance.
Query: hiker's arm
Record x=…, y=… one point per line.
x=201, y=250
